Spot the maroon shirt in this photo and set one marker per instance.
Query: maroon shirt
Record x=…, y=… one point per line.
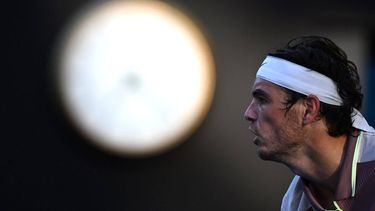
x=300, y=197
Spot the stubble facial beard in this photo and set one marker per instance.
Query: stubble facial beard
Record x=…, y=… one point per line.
x=288, y=138
x=280, y=154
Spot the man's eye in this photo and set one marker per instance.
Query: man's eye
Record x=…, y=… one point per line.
x=262, y=100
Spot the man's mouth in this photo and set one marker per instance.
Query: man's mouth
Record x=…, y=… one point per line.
x=253, y=131
x=256, y=138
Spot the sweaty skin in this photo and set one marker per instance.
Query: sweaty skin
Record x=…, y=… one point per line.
x=277, y=131
x=296, y=137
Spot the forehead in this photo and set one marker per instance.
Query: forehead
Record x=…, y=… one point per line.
x=268, y=90
x=268, y=87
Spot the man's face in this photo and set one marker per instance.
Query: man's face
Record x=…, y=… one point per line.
x=278, y=131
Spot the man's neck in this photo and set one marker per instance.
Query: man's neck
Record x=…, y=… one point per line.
x=319, y=162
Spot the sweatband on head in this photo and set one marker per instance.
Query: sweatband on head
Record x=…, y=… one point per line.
x=308, y=82
x=299, y=79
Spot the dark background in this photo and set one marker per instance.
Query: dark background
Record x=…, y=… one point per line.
x=46, y=165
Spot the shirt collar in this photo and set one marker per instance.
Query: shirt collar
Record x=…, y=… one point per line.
x=344, y=185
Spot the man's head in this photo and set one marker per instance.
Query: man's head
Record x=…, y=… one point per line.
x=279, y=116
x=322, y=55
x=278, y=130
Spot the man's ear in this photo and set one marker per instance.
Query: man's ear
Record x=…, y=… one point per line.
x=312, y=104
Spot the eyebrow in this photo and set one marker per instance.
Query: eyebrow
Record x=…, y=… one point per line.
x=260, y=93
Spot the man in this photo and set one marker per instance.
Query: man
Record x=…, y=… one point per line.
x=304, y=114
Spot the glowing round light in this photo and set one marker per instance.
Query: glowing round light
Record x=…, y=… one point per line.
x=136, y=77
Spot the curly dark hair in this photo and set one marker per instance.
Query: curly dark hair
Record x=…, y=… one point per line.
x=324, y=56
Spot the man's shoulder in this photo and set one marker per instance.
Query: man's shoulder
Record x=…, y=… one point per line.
x=367, y=151
x=365, y=194
x=294, y=198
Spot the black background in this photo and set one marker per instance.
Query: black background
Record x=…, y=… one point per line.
x=46, y=165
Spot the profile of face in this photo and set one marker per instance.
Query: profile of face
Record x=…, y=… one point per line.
x=278, y=131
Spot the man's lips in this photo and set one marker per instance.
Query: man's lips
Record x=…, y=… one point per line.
x=256, y=138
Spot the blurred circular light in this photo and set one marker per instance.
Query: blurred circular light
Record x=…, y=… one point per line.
x=136, y=77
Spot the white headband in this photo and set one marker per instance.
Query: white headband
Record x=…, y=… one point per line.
x=306, y=81
x=299, y=79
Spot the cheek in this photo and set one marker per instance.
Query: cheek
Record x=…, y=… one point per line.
x=269, y=123
x=286, y=129
x=276, y=127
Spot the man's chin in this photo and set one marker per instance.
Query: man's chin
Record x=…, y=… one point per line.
x=266, y=155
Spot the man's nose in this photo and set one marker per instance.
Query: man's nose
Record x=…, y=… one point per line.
x=250, y=114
